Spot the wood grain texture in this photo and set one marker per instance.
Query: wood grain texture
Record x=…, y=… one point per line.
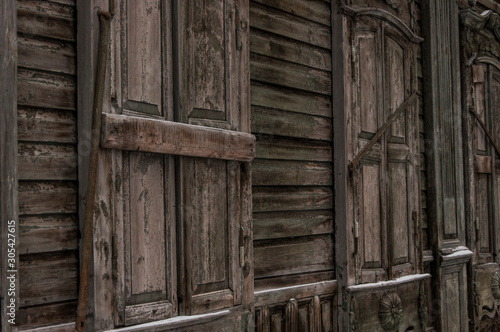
x=310, y=254
x=48, y=233
x=47, y=162
x=148, y=135
x=8, y=141
x=43, y=125
x=46, y=19
x=284, y=24
x=47, y=197
x=48, y=278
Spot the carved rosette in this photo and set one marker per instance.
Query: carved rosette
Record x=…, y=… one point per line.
x=390, y=311
x=495, y=285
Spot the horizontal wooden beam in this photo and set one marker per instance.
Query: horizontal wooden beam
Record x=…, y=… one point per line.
x=150, y=135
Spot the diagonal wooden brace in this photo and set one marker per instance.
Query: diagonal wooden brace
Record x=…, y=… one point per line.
x=483, y=125
x=381, y=131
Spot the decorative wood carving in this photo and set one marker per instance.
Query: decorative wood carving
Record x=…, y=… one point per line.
x=390, y=311
x=394, y=3
x=384, y=16
x=476, y=24
x=495, y=285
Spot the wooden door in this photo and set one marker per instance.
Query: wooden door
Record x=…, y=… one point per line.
x=385, y=187
x=174, y=176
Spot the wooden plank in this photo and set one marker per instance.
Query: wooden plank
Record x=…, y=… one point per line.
x=43, y=125
x=280, y=295
x=48, y=278
x=38, y=54
x=368, y=83
x=291, y=198
x=290, y=173
x=291, y=149
x=46, y=19
x=290, y=26
x=147, y=223
x=140, y=134
x=66, y=327
x=290, y=100
x=143, y=52
x=286, y=49
x=312, y=10
x=8, y=147
x=290, y=256
x=48, y=233
x=279, y=72
x=47, y=197
x=371, y=220
x=137, y=314
x=40, y=89
x=59, y=313
x=276, y=122
x=47, y=162
x=275, y=225
x=482, y=164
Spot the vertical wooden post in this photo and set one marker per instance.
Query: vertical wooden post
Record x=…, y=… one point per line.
x=443, y=121
x=341, y=174
x=8, y=155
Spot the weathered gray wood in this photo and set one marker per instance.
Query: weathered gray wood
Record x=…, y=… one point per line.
x=47, y=162
x=8, y=146
x=300, y=255
x=289, y=50
x=54, y=314
x=275, y=122
x=445, y=163
x=275, y=225
x=40, y=89
x=311, y=10
x=341, y=92
x=290, y=100
x=46, y=55
x=291, y=173
x=44, y=125
x=288, y=149
x=291, y=198
x=284, y=24
x=47, y=197
x=291, y=75
x=148, y=135
x=46, y=19
x=48, y=278
x=48, y=233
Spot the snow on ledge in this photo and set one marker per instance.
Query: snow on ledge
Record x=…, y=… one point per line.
x=389, y=283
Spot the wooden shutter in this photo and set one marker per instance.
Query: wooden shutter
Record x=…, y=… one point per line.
x=384, y=183
x=141, y=183
x=212, y=94
x=182, y=224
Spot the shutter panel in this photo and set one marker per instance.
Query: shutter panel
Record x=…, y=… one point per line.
x=385, y=182
x=211, y=190
x=143, y=192
x=183, y=229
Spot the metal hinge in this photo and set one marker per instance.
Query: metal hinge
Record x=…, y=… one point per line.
x=242, y=247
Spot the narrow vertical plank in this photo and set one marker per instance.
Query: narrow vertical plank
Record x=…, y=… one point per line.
x=147, y=223
x=395, y=78
x=398, y=211
x=371, y=215
x=368, y=73
x=144, y=51
x=8, y=146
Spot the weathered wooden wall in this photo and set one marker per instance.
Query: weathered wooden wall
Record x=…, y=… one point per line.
x=47, y=162
x=291, y=116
